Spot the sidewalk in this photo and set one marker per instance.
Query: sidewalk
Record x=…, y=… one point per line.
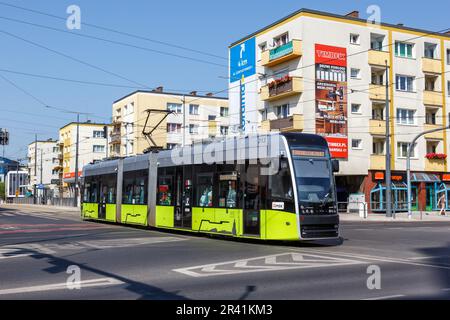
x=399, y=217
x=42, y=207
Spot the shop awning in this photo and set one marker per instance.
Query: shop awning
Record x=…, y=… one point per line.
x=424, y=177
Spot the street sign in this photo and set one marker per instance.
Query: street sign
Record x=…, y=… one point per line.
x=40, y=187
x=56, y=181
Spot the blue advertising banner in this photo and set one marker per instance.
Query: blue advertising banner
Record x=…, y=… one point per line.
x=243, y=60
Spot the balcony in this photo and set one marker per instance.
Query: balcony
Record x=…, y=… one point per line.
x=377, y=127
x=431, y=65
x=286, y=52
x=294, y=123
x=433, y=98
x=283, y=89
x=378, y=58
x=435, y=165
x=377, y=162
x=116, y=138
x=439, y=135
x=377, y=92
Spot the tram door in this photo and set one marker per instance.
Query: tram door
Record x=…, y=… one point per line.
x=251, y=201
x=102, y=203
x=183, y=198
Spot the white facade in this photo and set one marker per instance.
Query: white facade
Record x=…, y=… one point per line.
x=43, y=170
x=313, y=28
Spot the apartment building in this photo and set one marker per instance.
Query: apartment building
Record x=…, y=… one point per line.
x=93, y=146
x=43, y=157
x=176, y=119
x=318, y=72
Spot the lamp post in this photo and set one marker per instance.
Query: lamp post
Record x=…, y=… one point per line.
x=408, y=162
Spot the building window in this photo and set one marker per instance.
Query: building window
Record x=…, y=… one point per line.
x=98, y=149
x=354, y=38
x=378, y=147
x=174, y=127
x=405, y=116
x=171, y=146
x=356, y=108
x=448, y=88
x=430, y=50
x=193, y=129
x=212, y=118
x=356, y=144
x=355, y=73
x=430, y=117
x=376, y=41
x=99, y=134
x=193, y=109
x=402, y=150
x=281, y=40
x=448, y=56
x=224, y=130
x=223, y=112
x=282, y=111
x=174, y=107
x=404, y=50
x=377, y=113
x=404, y=83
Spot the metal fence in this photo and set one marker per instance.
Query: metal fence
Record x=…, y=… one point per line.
x=46, y=201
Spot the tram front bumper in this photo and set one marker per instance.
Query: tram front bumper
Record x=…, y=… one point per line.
x=319, y=227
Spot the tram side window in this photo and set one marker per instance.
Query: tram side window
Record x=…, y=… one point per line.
x=280, y=187
x=86, y=190
x=108, y=189
x=205, y=190
x=128, y=182
x=165, y=187
x=135, y=187
x=227, y=192
x=93, y=194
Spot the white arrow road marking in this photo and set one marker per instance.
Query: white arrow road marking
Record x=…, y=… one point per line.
x=276, y=262
x=63, y=286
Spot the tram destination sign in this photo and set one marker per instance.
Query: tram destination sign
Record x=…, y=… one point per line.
x=308, y=153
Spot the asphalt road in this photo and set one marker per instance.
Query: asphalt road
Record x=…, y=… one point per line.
x=38, y=245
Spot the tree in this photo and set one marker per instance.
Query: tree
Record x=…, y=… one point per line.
x=2, y=190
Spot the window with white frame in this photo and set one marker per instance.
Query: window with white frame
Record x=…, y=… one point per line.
x=99, y=134
x=402, y=149
x=174, y=127
x=430, y=50
x=356, y=144
x=193, y=109
x=98, y=149
x=354, y=38
x=281, y=40
x=224, y=112
x=448, y=56
x=193, y=128
x=405, y=116
x=175, y=107
x=378, y=147
x=404, y=83
x=282, y=111
x=448, y=88
x=356, y=108
x=403, y=49
x=355, y=73
x=224, y=130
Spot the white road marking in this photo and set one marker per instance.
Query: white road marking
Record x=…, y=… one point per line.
x=276, y=262
x=378, y=258
x=386, y=297
x=63, y=286
x=430, y=257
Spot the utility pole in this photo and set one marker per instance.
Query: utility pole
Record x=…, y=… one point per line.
x=75, y=201
x=184, y=120
x=35, y=169
x=388, y=150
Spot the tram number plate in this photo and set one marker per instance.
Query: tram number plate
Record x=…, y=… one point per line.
x=277, y=205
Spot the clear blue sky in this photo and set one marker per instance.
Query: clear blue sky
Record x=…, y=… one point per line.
x=202, y=25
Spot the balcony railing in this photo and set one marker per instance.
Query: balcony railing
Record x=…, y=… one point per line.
x=286, y=52
x=274, y=91
x=435, y=165
x=377, y=127
x=433, y=98
x=294, y=123
x=116, y=138
x=438, y=135
x=431, y=65
x=377, y=92
x=378, y=58
x=378, y=162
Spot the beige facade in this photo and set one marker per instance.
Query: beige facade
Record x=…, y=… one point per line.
x=194, y=117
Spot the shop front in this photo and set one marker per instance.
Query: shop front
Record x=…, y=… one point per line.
x=426, y=190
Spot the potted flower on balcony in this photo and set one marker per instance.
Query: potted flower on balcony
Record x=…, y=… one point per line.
x=436, y=156
x=278, y=82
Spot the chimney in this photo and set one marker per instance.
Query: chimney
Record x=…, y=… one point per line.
x=353, y=14
x=193, y=93
x=210, y=94
x=400, y=24
x=159, y=89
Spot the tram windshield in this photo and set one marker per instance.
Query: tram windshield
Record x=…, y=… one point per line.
x=314, y=180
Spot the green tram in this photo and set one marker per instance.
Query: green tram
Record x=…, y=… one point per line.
x=281, y=188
